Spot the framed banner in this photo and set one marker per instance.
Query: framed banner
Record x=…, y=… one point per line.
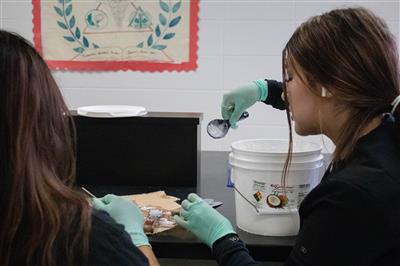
x=144, y=35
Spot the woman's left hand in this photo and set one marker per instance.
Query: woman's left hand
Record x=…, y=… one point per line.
x=124, y=212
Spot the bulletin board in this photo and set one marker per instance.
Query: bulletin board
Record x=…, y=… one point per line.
x=95, y=35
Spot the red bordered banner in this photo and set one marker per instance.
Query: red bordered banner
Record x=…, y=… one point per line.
x=69, y=38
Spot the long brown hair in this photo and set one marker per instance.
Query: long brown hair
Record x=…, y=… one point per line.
x=43, y=220
x=352, y=53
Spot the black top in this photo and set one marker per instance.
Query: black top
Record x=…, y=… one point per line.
x=351, y=218
x=109, y=244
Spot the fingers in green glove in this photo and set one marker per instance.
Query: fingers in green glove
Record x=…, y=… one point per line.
x=184, y=214
x=202, y=220
x=235, y=102
x=193, y=197
x=227, y=109
x=181, y=221
x=234, y=118
x=97, y=203
x=187, y=204
x=107, y=199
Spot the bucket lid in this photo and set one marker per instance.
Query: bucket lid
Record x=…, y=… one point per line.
x=275, y=147
x=111, y=111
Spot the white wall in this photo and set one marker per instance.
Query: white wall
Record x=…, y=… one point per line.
x=239, y=41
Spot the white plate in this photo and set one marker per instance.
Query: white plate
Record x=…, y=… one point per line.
x=111, y=111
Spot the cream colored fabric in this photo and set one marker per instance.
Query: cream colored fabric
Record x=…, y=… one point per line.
x=156, y=199
x=115, y=30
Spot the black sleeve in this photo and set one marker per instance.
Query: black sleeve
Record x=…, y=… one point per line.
x=231, y=251
x=274, y=94
x=336, y=228
x=110, y=244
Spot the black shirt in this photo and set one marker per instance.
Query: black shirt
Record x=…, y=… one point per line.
x=109, y=244
x=351, y=218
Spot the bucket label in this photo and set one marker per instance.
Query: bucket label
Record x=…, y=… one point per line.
x=273, y=195
x=259, y=190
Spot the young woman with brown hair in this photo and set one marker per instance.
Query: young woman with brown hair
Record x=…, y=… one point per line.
x=44, y=220
x=341, y=79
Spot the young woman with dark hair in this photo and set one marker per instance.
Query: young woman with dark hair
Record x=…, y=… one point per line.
x=44, y=220
x=341, y=79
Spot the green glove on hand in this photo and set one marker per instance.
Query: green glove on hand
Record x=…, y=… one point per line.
x=124, y=212
x=237, y=101
x=202, y=220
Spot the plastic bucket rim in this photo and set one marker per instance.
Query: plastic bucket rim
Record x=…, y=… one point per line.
x=320, y=165
x=234, y=147
x=320, y=157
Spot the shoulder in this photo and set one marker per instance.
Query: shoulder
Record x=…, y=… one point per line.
x=341, y=222
x=334, y=194
x=360, y=196
x=109, y=244
x=372, y=173
x=352, y=216
x=362, y=184
x=370, y=179
x=365, y=187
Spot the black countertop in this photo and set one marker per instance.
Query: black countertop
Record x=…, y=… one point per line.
x=179, y=243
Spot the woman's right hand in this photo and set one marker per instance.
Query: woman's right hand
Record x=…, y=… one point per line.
x=237, y=101
x=202, y=220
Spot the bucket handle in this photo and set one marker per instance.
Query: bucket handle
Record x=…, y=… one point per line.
x=263, y=211
x=231, y=183
x=248, y=201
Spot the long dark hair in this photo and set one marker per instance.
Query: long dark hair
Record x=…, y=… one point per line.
x=40, y=213
x=352, y=53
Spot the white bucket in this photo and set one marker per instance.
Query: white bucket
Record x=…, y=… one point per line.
x=256, y=170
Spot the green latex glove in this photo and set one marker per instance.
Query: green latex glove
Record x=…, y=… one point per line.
x=124, y=212
x=235, y=102
x=202, y=220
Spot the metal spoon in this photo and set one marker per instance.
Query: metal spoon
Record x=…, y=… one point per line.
x=218, y=128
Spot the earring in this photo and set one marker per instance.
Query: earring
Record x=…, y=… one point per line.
x=323, y=92
x=388, y=118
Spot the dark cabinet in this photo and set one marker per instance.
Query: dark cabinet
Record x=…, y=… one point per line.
x=155, y=150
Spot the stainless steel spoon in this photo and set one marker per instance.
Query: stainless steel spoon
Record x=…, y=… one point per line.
x=218, y=128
